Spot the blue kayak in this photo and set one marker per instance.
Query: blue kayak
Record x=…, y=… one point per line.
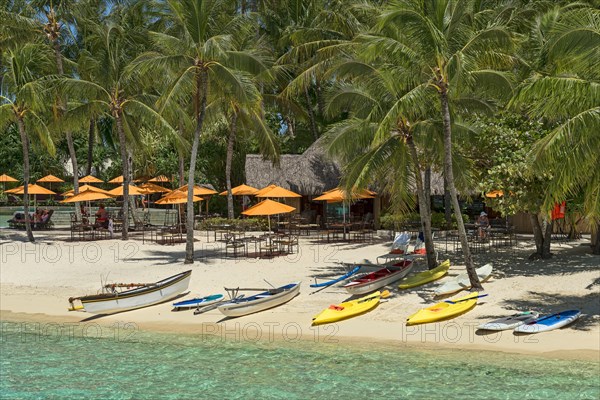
x=336, y=280
x=549, y=322
x=200, y=301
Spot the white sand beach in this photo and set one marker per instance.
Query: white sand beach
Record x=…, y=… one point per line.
x=37, y=279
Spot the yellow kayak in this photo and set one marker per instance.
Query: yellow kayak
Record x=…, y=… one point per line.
x=444, y=310
x=425, y=277
x=348, y=309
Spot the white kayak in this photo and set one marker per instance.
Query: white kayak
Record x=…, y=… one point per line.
x=462, y=282
x=511, y=322
x=550, y=322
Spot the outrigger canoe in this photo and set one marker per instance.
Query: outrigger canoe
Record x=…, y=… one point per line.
x=380, y=278
x=199, y=301
x=425, y=277
x=444, y=310
x=336, y=280
x=143, y=295
x=260, y=302
x=349, y=309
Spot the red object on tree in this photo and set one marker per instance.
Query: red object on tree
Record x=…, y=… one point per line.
x=558, y=212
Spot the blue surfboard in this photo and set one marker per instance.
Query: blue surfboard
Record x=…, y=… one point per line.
x=549, y=322
x=199, y=301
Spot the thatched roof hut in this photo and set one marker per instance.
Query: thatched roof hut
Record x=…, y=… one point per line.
x=309, y=174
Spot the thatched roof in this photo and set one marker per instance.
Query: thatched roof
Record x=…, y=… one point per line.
x=310, y=173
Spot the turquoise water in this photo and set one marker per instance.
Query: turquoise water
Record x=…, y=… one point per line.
x=57, y=362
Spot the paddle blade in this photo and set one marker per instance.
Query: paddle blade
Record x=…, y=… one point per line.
x=385, y=294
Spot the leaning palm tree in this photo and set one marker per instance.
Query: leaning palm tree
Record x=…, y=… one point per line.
x=24, y=104
x=198, y=47
x=453, y=47
x=111, y=92
x=564, y=87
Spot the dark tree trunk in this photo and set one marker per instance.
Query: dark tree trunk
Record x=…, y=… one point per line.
x=91, y=143
x=447, y=205
x=596, y=246
x=427, y=188
x=542, y=238
x=462, y=233
x=25, y=146
x=311, y=115
x=181, y=170
x=424, y=212
x=228, y=162
x=200, y=100
x=125, y=162
x=69, y=136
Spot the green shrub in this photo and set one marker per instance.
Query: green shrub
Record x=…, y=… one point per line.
x=245, y=224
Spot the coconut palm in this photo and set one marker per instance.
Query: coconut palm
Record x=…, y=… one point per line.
x=564, y=87
x=452, y=47
x=385, y=139
x=48, y=24
x=111, y=92
x=24, y=104
x=198, y=47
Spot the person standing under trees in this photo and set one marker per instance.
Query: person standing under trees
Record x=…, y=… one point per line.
x=483, y=225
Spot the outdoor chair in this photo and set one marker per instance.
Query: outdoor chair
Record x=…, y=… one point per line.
x=237, y=246
x=287, y=243
x=268, y=246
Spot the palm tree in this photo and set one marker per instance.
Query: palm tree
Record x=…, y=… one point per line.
x=49, y=21
x=24, y=105
x=112, y=92
x=564, y=87
x=453, y=47
x=198, y=48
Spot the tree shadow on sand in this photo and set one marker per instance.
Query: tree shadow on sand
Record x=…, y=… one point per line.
x=550, y=303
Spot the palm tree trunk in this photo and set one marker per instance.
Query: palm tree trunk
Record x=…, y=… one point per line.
x=25, y=145
x=462, y=233
x=228, y=162
x=181, y=169
x=69, y=136
x=91, y=143
x=424, y=210
x=134, y=214
x=311, y=115
x=447, y=204
x=596, y=248
x=125, y=166
x=542, y=238
x=201, y=93
x=427, y=188
x=75, y=167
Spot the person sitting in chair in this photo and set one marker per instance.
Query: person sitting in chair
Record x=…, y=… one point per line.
x=101, y=217
x=484, y=225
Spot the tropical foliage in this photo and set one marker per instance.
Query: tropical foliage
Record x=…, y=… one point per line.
x=395, y=90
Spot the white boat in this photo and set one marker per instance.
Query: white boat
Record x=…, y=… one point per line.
x=462, y=282
x=549, y=322
x=510, y=322
x=380, y=278
x=260, y=302
x=142, y=295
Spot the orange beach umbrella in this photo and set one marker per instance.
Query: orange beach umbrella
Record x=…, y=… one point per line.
x=276, y=192
x=198, y=190
x=494, y=193
x=160, y=178
x=133, y=191
x=153, y=188
x=32, y=189
x=7, y=178
x=90, y=179
x=241, y=190
x=50, y=179
x=87, y=195
x=176, y=197
x=269, y=207
x=338, y=195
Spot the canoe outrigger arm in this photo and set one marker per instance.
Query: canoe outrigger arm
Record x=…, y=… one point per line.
x=233, y=292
